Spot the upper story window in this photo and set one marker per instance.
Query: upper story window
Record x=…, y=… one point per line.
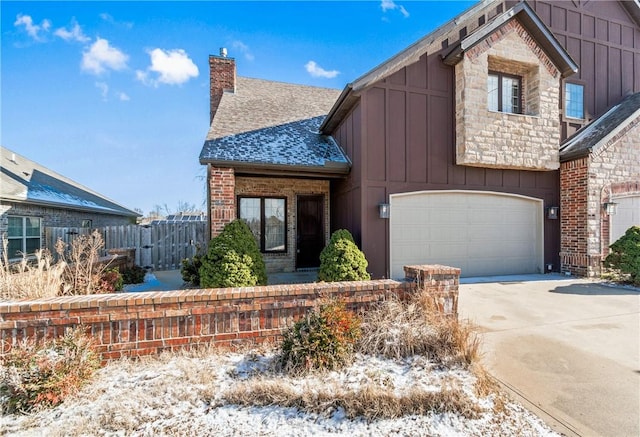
x=267, y=219
x=23, y=235
x=504, y=93
x=574, y=100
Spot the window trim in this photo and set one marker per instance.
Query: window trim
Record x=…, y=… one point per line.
x=261, y=244
x=500, y=76
x=23, y=238
x=565, y=102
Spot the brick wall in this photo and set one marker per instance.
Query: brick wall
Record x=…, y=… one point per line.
x=585, y=184
x=222, y=200
x=501, y=140
x=136, y=324
x=222, y=77
x=56, y=217
x=289, y=188
x=574, y=216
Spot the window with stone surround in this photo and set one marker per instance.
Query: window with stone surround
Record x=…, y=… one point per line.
x=266, y=217
x=574, y=100
x=504, y=93
x=512, y=87
x=23, y=236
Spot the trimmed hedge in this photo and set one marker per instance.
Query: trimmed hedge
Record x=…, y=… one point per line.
x=341, y=260
x=233, y=259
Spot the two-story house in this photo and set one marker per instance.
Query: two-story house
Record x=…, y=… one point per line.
x=498, y=143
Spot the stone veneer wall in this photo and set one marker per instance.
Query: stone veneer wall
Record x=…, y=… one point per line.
x=585, y=184
x=486, y=138
x=136, y=324
x=290, y=189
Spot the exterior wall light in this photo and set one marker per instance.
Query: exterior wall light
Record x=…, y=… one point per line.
x=609, y=208
x=553, y=212
x=384, y=209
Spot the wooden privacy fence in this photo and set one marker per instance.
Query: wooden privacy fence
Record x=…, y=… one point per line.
x=159, y=246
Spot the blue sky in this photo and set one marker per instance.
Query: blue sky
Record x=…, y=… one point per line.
x=114, y=95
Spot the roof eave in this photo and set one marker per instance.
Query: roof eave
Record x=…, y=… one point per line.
x=532, y=23
x=329, y=170
x=341, y=107
x=56, y=205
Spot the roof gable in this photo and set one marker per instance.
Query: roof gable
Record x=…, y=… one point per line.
x=23, y=180
x=535, y=28
x=605, y=130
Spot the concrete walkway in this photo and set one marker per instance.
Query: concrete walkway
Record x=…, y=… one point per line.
x=569, y=348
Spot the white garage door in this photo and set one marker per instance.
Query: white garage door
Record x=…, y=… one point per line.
x=627, y=215
x=483, y=233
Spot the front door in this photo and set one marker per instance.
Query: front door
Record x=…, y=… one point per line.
x=310, y=231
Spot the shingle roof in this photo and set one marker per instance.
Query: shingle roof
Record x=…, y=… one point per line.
x=604, y=128
x=269, y=125
x=23, y=180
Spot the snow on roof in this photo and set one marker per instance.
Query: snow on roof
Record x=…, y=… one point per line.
x=292, y=144
x=602, y=129
x=23, y=180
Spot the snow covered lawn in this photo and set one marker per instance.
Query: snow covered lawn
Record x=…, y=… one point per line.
x=208, y=394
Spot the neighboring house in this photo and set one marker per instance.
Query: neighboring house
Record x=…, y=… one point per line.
x=462, y=138
x=33, y=197
x=181, y=217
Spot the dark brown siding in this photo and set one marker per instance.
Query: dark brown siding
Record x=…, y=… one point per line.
x=406, y=124
x=605, y=43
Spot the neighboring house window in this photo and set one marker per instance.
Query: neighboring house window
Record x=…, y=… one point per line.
x=23, y=236
x=574, y=100
x=87, y=223
x=504, y=93
x=266, y=217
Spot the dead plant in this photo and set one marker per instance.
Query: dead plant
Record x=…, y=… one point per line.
x=369, y=401
x=85, y=268
x=30, y=277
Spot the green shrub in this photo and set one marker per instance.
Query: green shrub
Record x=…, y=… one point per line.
x=43, y=374
x=190, y=269
x=233, y=259
x=324, y=339
x=341, y=260
x=625, y=255
x=133, y=275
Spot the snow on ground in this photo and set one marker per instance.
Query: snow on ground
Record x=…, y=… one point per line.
x=183, y=394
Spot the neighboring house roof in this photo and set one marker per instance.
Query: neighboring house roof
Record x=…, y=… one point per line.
x=26, y=181
x=450, y=32
x=267, y=127
x=602, y=130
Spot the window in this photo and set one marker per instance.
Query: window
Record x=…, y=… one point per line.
x=87, y=223
x=574, y=100
x=23, y=235
x=504, y=93
x=267, y=219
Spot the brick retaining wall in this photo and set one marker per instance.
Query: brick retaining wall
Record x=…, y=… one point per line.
x=136, y=324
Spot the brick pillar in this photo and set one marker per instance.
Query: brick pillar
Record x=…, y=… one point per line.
x=574, y=254
x=222, y=77
x=440, y=282
x=222, y=187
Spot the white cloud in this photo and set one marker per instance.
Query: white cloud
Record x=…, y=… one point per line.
x=390, y=5
x=244, y=49
x=123, y=96
x=173, y=67
x=104, y=89
x=33, y=30
x=74, y=34
x=102, y=56
x=109, y=19
x=316, y=71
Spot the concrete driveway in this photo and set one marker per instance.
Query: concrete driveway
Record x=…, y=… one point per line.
x=568, y=348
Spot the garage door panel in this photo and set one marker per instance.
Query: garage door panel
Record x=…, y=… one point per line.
x=627, y=215
x=481, y=233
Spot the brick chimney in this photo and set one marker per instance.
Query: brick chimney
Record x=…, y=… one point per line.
x=222, y=74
